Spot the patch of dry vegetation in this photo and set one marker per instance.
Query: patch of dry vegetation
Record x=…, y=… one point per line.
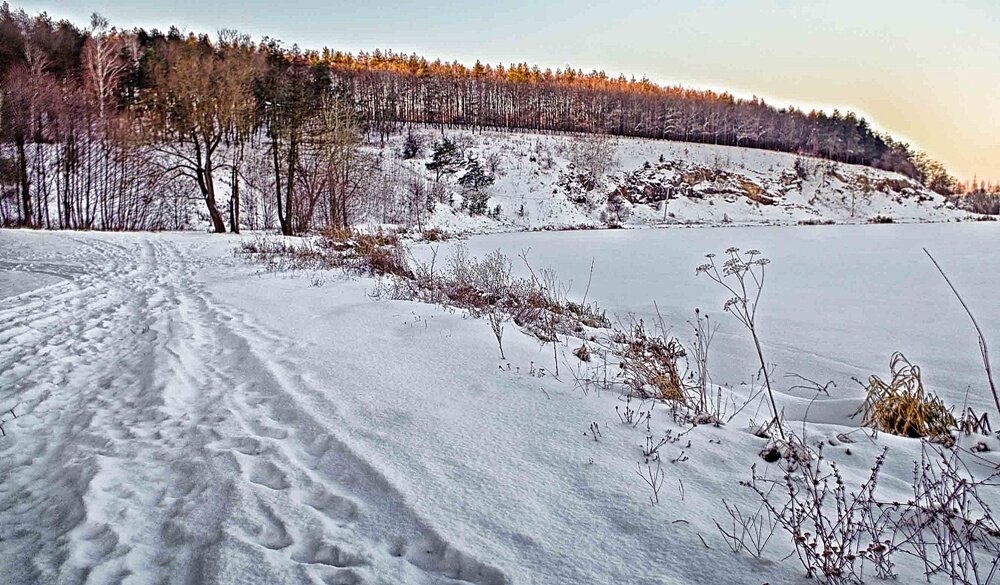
x=649, y=363
x=377, y=253
x=902, y=407
x=538, y=305
x=484, y=287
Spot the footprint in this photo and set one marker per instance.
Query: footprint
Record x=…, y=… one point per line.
x=244, y=445
x=343, y=577
x=96, y=542
x=433, y=555
x=268, y=475
x=319, y=552
x=319, y=446
x=268, y=431
x=273, y=532
x=337, y=508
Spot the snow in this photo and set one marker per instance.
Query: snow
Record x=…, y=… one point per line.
x=838, y=299
x=182, y=417
x=702, y=183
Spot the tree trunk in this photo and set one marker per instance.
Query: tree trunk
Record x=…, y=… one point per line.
x=213, y=209
x=22, y=172
x=343, y=200
x=293, y=153
x=206, y=183
x=234, y=202
x=283, y=220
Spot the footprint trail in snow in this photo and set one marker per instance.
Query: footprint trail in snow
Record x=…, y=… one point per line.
x=161, y=436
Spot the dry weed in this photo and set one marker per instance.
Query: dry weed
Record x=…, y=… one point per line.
x=902, y=407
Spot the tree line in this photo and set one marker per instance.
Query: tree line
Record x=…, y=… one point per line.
x=395, y=88
x=102, y=128
x=118, y=130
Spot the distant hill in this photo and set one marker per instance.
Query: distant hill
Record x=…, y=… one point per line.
x=113, y=129
x=544, y=181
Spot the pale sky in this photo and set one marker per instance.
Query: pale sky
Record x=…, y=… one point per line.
x=926, y=71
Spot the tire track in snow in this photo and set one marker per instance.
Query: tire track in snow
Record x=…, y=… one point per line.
x=160, y=438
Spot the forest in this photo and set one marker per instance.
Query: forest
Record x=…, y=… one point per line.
x=111, y=129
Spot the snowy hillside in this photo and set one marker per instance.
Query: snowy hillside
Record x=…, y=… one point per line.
x=174, y=414
x=556, y=181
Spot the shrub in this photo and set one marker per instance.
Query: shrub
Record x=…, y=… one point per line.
x=834, y=531
x=377, y=253
x=881, y=219
x=484, y=286
x=380, y=260
x=277, y=254
x=336, y=238
x=947, y=525
x=435, y=235
x=902, y=407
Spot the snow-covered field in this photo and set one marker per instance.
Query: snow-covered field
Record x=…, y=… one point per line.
x=183, y=418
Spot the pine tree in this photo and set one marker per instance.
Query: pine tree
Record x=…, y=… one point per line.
x=445, y=159
x=474, y=182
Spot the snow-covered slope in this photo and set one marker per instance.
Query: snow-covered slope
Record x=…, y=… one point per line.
x=557, y=181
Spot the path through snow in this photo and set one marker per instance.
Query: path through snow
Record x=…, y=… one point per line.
x=154, y=442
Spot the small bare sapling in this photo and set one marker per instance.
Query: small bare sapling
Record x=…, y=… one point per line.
x=496, y=319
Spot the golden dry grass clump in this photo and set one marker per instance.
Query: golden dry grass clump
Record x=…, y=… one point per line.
x=649, y=363
x=902, y=406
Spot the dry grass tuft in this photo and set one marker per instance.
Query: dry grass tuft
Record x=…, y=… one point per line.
x=335, y=236
x=649, y=363
x=902, y=406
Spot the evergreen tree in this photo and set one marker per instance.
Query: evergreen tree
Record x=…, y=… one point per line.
x=474, y=182
x=445, y=159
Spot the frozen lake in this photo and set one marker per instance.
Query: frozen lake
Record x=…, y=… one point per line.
x=837, y=302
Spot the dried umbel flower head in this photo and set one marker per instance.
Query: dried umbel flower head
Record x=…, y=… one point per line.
x=742, y=275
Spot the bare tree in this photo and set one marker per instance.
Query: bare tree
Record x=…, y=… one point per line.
x=337, y=138
x=197, y=92
x=107, y=57
x=245, y=64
